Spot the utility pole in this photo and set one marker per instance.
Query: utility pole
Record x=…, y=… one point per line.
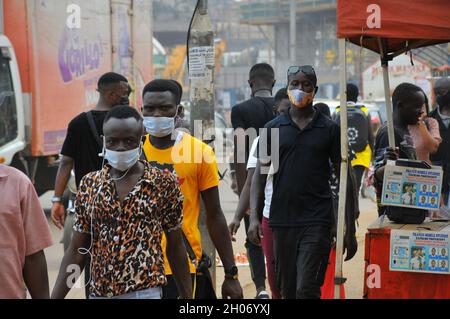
x=201, y=86
x=292, y=32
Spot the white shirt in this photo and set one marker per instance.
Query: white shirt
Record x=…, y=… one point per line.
x=268, y=190
x=415, y=263
x=408, y=198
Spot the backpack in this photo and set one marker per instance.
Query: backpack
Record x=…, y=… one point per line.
x=358, y=127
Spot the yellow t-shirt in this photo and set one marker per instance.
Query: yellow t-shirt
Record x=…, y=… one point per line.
x=194, y=164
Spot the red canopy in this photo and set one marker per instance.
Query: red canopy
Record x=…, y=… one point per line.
x=405, y=24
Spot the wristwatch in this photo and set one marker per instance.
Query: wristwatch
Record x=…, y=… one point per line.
x=56, y=199
x=231, y=273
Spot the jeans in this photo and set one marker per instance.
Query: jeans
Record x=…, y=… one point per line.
x=150, y=293
x=255, y=259
x=301, y=260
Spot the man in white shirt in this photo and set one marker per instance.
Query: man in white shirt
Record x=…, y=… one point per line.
x=408, y=198
x=416, y=261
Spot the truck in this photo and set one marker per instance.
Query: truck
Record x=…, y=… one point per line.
x=52, y=53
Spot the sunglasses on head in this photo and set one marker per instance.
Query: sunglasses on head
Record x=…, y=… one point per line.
x=305, y=69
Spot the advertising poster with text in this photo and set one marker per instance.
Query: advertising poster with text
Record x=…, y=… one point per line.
x=412, y=187
x=419, y=251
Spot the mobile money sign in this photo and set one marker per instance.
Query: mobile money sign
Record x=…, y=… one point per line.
x=412, y=187
x=419, y=251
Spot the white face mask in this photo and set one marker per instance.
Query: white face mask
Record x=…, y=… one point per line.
x=159, y=126
x=122, y=160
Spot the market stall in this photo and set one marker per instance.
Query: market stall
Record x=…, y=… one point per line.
x=389, y=28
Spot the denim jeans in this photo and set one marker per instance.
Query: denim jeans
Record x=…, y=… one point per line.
x=150, y=293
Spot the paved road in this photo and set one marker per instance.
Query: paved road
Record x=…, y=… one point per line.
x=353, y=269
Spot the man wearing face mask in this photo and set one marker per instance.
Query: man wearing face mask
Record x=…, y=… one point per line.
x=83, y=143
x=301, y=213
x=194, y=164
x=82, y=146
x=121, y=213
x=442, y=156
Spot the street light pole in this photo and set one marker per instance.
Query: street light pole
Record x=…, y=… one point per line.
x=201, y=64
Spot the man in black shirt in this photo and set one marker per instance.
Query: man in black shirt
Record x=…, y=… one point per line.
x=442, y=115
x=253, y=113
x=301, y=213
x=407, y=102
x=247, y=119
x=82, y=146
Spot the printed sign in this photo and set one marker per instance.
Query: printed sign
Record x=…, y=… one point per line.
x=419, y=251
x=412, y=187
x=201, y=61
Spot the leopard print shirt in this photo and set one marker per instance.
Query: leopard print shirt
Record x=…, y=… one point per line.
x=126, y=237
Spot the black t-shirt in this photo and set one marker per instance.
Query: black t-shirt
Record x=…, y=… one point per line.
x=253, y=113
x=81, y=145
x=301, y=188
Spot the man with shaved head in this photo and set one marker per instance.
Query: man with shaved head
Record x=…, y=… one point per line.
x=442, y=115
x=83, y=143
x=247, y=117
x=121, y=213
x=301, y=215
x=195, y=166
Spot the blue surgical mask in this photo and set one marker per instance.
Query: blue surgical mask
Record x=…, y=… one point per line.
x=122, y=160
x=159, y=126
